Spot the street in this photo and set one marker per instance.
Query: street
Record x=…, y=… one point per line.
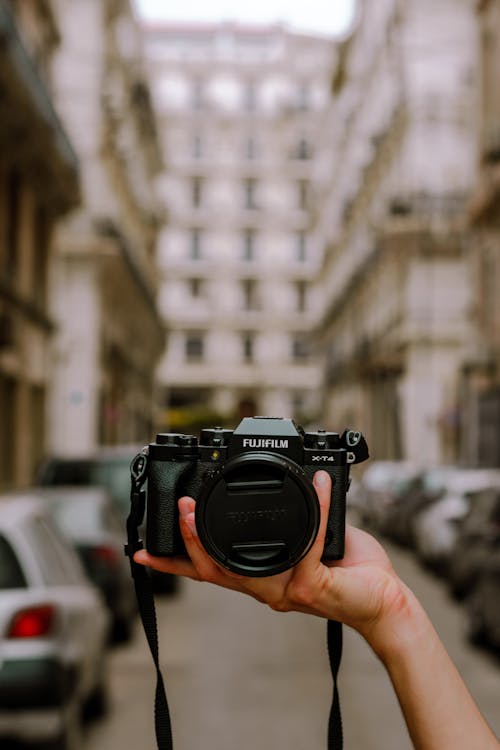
x=241, y=676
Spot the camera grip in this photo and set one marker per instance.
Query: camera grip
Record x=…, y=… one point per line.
x=335, y=531
x=167, y=482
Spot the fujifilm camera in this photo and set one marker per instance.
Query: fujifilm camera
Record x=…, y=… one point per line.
x=257, y=512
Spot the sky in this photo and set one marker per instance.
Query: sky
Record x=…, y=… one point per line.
x=316, y=16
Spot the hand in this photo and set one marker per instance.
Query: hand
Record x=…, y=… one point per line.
x=361, y=590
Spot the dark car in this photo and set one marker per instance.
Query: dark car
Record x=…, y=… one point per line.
x=382, y=485
x=420, y=491
x=108, y=467
x=483, y=604
x=89, y=518
x=478, y=538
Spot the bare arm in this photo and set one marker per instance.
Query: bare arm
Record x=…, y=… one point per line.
x=364, y=592
x=438, y=709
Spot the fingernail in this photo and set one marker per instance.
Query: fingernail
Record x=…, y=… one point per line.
x=320, y=478
x=186, y=513
x=184, y=507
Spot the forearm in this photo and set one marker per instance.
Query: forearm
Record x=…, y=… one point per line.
x=439, y=711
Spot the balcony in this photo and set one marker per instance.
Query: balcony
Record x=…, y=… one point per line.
x=30, y=123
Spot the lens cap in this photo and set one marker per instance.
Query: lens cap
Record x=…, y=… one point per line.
x=258, y=515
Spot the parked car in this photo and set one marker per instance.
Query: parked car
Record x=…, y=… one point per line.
x=108, y=467
x=90, y=519
x=436, y=527
x=421, y=491
x=54, y=629
x=381, y=485
x=478, y=537
x=483, y=604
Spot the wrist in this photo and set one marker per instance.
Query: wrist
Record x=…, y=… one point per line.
x=400, y=626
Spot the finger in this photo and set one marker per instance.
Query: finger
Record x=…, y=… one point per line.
x=179, y=566
x=207, y=569
x=323, y=486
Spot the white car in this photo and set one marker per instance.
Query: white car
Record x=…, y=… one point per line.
x=436, y=527
x=54, y=628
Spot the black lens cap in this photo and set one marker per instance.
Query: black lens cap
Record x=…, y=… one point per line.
x=258, y=515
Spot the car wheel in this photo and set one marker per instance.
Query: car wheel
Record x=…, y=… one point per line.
x=96, y=705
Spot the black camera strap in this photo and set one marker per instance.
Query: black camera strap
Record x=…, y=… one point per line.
x=144, y=594
x=145, y=601
x=334, y=640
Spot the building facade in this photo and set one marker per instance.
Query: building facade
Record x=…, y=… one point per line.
x=240, y=109
x=397, y=173
x=480, y=382
x=109, y=335
x=39, y=184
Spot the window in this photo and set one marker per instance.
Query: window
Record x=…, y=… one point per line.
x=301, y=247
x=195, y=244
x=197, y=147
x=250, y=148
x=303, y=194
x=198, y=95
x=12, y=222
x=249, y=244
x=196, y=191
x=9, y=435
x=303, y=149
x=300, y=348
x=249, y=291
x=58, y=563
x=11, y=572
x=195, y=287
x=250, y=97
x=250, y=190
x=248, y=346
x=303, y=97
x=298, y=403
x=301, y=295
x=194, y=347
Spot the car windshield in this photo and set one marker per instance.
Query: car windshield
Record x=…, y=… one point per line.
x=11, y=574
x=112, y=473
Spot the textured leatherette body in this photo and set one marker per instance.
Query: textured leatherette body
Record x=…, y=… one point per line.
x=167, y=482
x=335, y=533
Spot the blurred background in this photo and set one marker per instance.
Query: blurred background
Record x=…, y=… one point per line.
x=209, y=212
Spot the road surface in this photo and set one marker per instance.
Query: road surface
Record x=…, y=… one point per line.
x=240, y=676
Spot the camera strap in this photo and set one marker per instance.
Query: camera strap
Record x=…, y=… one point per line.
x=334, y=641
x=144, y=594
x=147, y=611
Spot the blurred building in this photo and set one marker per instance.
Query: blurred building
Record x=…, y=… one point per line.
x=109, y=334
x=398, y=166
x=480, y=393
x=38, y=185
x=240, y=109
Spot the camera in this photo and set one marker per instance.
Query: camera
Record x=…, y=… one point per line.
x=257, y=512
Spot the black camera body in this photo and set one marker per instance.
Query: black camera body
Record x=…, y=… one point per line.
x=257, y=512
